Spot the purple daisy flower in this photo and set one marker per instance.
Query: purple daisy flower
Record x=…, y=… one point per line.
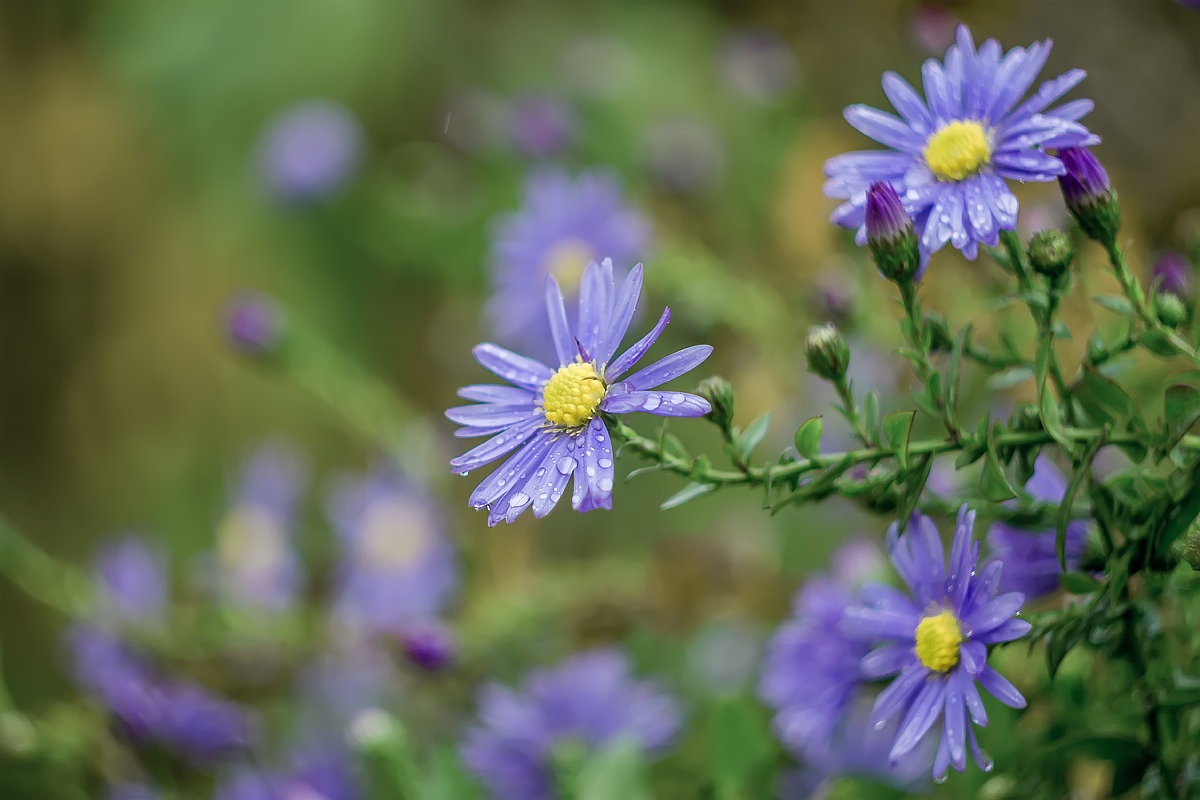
x=952, y=152
x=1032, y=563
x=810, y=673
x=937, y=640
x=1174, y=274
x=552, y=417
x=257, y=565
x=309, y=151
x=542, y=126
x=397, y=566
x=563, y=225
x=134, y=579
x=590, y=700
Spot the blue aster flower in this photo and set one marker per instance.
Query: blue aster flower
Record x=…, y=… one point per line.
x=133, y=577
x=258, y=567
x=953, y=150
x=551, y=417
x=562, y=226
x=936, y=640
x=590, y=701
x=1031, y=563
x=810, y=673
x=398, y=568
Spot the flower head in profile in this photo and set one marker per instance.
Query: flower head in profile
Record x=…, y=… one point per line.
x=589, y=701
x=952, y=151
x=563, y=224
x=1031, y=563
x=397, y=567
x=551, y=417
x=936, y=639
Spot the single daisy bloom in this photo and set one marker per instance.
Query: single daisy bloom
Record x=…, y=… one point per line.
x=587, y=702
x=952, y=151
x=936, y=639
x=551, y=417
x=563, y=224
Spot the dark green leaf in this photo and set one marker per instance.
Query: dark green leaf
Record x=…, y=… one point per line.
x=897, y=426
x=1158, y=342
x=871, y=413
x=1078, y=582
x=1009, y=378
x=992, y=483
x=1181, y=515
x=922, y=401
x=1102, y=398
x=1181, y=408
x=1082, y=470
x=686, y=494
x=1115, y=304
x=808, y=438
x=741, y=745
x=753, y=435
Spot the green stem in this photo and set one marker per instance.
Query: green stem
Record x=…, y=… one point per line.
x=914, y=332
x=1137, y=298
x=43, y=578
x=1043, y=318
x=850, y=411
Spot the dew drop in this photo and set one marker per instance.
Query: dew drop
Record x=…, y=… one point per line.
x=985, y=761
x=591, y=472
x=678, y=398
x=541, y=471
x=464, y=473
x=518, y=500
x=604, y=463
x=566, y=464
x=605, y=484
x=880, y=725
x=941, y=778
x=650, y=403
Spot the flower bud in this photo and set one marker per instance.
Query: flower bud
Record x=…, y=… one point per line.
x=254, y=324
x=1051, y=252
x=1170, y=309
x=890, y=234
x=430, y=647
x=1173, y=273
x=1089, y=194
x=827, y=352
x=719, y=394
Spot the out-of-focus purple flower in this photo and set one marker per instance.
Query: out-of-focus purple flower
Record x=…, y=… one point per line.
x=345, y=680
x=857, y=561
x=134, y=579
x=397, y=565
x=132, y=791
x=258, y=567
x=542, y=126
x=204, y=728
x=1174, y=273
x=552, y=417
x=429, y=646
x=1192, y=4
x=474, y=120
x=1041, y=216
x=309, y=150
x=1030, y=562
x=562, y=226
x=951, y=152
x=758, y=64
x=590, y=701
x=933, y=27
x=321, y=772
x=100, y=661
x=249, y=784
x=810, y=674
x=684, y=155
x=936, y=639
x=254, y=323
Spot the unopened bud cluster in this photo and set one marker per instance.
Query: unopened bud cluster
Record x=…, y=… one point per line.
x=1050, y=253
x=718, y=392
x=827, y=352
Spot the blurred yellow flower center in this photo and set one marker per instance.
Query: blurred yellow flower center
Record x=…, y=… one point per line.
x=567, y=260
x=938, y=638
x=251, y=539
x=572, y=395
x=958, y=150
x=396, y=533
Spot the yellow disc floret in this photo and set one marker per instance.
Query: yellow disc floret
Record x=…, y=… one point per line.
x=572, y=395
x=958, y=150
x=938, y=638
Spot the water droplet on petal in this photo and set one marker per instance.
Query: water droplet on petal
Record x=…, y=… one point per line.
x=941, y=778
x=519, y=499
x=566, y=464
x=986, y=763
x=678, y=398
x=591, y=471
x=605, y=484
x=605, y=463
x=880, y=725
x=652, y=402
x=464, y=472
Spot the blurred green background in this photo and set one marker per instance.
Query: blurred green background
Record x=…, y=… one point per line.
x=132, y=208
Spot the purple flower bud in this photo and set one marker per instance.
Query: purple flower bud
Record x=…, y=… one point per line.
x=254, y=323
x=542, y=126
x=309, y=151
x=1088, y=193
x=430, y=646
x=1174, y=273
x=890, y=234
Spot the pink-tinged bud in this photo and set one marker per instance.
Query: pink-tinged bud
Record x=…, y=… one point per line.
x=1088, y=193
x=890, y=234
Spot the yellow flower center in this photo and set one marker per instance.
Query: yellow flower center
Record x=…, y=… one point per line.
x=958, y=150
x=572, y=395
x=938, y=638
x=566, y=262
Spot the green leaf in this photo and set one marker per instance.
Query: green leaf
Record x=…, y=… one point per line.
x=753, y=435
x=1047, y=403
x=1009, y=378
x=871, y=412
x=617, y=771
x=1158, y=342
x=1181, y=408
x=1082, y=470
x=897, y=426
x=1115, y=304
x=1078, y=582
x=1181, y=515
x=741, y=745
x=1102, y=399
x=686, y=494
x=992, y=483
x=922, y=401
x=808, y=438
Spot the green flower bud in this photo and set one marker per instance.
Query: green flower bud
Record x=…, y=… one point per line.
x=827, y=352
x=1171, y=310
x=1051, y=252
x=719, y=394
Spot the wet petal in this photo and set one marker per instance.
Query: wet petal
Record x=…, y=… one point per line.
x=662, y=404
x=635, y=353
x=525, y=372
x=495, y=447
x=669, y=368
